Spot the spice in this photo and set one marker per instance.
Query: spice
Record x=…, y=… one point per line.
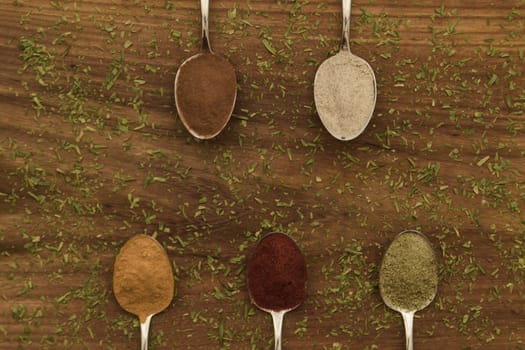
x=345, y=95
x=277, y=273
x=408, y=275
x=143, y=277
x=205, y=93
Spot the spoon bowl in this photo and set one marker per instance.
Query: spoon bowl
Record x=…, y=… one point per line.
x=277, y=278
x=143, y=281
x=408, y=277
x=345, y=89
x=205, y=88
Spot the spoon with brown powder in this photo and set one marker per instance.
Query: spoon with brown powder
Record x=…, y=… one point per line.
x=205, y=88
x=276, y=278
x=345, y=89
x=408, y=277
x=143, y=280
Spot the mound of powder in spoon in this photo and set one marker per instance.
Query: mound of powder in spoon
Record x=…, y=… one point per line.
x=143, y=277
x=205, y=93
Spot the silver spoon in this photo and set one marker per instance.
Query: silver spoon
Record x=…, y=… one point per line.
x=403, y=268
x=203, y=108
x=144, y=333
x=129, y=284
x=277, y=318
x=345, y=89
x=256, y=268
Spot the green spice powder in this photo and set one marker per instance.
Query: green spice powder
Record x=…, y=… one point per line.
x=408, y=275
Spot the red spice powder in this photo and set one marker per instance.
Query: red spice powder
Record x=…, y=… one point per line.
x=277, y=273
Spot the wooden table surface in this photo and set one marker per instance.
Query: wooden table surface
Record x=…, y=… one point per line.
x=92, y=152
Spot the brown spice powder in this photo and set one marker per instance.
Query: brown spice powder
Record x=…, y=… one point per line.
x=143, y=277
x=206, y=88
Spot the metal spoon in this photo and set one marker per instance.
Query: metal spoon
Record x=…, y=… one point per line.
x=144, y=332
x=345, y=89
x=130, y=252
x=195, y=112
x=424, y=299
x=253, y=270
x=277, y=318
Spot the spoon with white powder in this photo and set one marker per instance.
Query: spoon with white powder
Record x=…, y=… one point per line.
x=345, y=89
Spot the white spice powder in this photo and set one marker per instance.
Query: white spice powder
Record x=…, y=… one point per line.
x=345, y=95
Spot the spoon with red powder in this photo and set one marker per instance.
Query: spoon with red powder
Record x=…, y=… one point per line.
x=277, y=278
x=205, y=88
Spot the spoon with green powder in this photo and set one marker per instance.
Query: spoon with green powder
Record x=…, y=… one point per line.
x=408, y=277
x=205, y=88
x=143, y=280
x=345, y=89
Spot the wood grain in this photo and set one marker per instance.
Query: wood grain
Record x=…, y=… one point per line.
x=443, y=154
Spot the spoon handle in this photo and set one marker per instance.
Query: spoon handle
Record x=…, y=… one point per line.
x=345, y=41
x=205, y=10
x=277, y=317
x=408, y=320
x=144, y=331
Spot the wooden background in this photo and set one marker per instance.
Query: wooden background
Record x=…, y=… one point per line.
x=92, y=152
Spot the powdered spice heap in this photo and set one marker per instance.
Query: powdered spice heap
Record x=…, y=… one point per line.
x=345, y=95
x=408, y=275
x=205, y=93
x=277, y=273
x=143, y=277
